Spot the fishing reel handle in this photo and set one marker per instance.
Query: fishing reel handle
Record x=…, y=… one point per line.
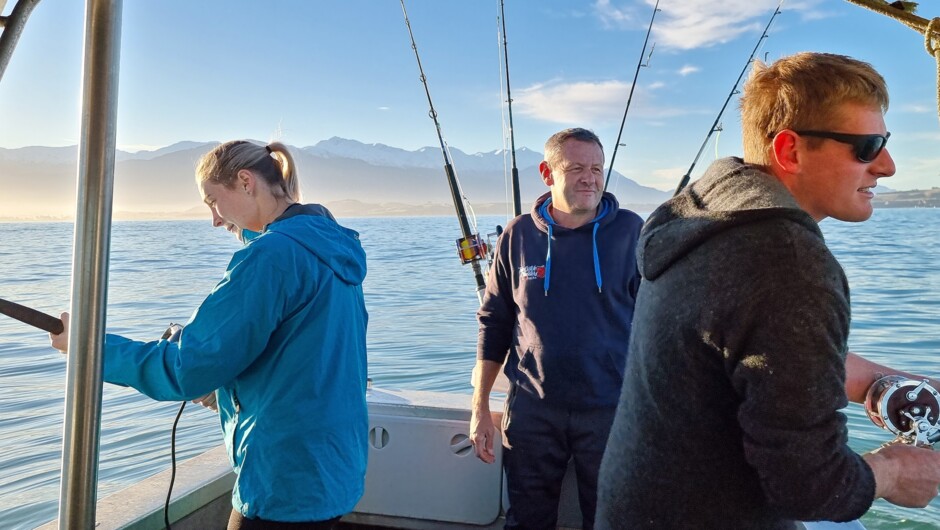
x=907, y=408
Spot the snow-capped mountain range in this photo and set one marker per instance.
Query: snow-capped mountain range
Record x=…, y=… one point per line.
x=361, y=179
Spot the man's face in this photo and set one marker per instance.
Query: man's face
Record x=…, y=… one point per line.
x=833, y=182
x=576, y=177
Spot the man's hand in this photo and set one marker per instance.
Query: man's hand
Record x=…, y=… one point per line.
x=904, y=474
x=482, y=429
x=208, y=401
x=61, y=341
x=482, y=434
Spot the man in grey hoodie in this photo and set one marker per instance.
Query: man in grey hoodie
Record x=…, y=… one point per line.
x=738, y=368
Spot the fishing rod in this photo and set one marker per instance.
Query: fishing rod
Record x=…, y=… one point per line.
x=55, y=326
x=30, y=316
x=734, y=90
x=470, y=247
x=516, y=200
x=639, y=65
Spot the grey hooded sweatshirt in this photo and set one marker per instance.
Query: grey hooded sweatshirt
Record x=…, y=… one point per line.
x=729, y=416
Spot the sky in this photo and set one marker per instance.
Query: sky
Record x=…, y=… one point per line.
x=302, y=71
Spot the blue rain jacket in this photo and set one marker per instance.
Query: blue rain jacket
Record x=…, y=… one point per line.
x=283, y=339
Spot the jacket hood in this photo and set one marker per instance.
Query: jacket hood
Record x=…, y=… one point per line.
x=312, y=226
x=730, y=194
x=607, y=211
x=541, y=216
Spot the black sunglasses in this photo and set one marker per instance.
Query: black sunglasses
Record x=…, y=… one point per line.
x=867, y=147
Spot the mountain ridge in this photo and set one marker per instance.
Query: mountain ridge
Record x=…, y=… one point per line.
x=374, y=179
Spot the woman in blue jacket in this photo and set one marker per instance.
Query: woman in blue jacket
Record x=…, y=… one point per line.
x=281, y=340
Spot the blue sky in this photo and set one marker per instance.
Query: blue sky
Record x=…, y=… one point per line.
x=304, y=71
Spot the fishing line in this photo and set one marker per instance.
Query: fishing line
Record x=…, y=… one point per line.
x=636, y=75
x=734, y=90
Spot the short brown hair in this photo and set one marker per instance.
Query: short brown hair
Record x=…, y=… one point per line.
x=553, y=145
x=803, y=91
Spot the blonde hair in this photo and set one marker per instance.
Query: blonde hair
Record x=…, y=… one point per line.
x=803, y=91
x=273, y=163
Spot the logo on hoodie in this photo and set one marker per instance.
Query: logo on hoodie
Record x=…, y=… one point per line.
x=532, y=272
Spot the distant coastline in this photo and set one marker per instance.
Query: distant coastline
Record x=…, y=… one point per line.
x=908, y=199
x=343, y=209
x=353, y=208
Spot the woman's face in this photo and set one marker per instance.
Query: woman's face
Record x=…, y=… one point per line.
x=233, y=208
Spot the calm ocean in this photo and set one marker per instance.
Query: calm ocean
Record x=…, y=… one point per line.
x=422, y=333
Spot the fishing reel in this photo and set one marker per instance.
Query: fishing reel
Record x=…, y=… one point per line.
x=909, y=409
x=471, y=248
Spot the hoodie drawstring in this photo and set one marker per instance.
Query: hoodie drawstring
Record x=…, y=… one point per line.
x=597, y=260
x=543, y=211
x=548, y=256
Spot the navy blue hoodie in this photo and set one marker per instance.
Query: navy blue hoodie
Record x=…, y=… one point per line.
x=560, y=302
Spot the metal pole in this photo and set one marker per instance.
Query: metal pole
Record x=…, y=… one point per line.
x=12, y=29
x=77, y=492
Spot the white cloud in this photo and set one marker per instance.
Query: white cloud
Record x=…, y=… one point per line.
x=573, y=102
x=701, y=23
x=612, y=17
x=689, y=24
x=809, y=10
x=383, y=108
x=599, y=102
x=689, y=69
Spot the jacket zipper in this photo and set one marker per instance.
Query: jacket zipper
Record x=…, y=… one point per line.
x=238, y=409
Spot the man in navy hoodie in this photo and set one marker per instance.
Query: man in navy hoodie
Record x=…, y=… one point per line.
x=559, y=302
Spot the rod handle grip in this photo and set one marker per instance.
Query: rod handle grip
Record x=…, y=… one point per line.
x=32, y=317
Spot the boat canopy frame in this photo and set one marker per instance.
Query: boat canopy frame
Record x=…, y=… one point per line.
x=12, y=27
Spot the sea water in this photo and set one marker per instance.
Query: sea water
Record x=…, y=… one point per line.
x=422, y=333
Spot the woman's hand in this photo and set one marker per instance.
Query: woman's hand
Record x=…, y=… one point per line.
x=208, y=401
x=61, y=341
